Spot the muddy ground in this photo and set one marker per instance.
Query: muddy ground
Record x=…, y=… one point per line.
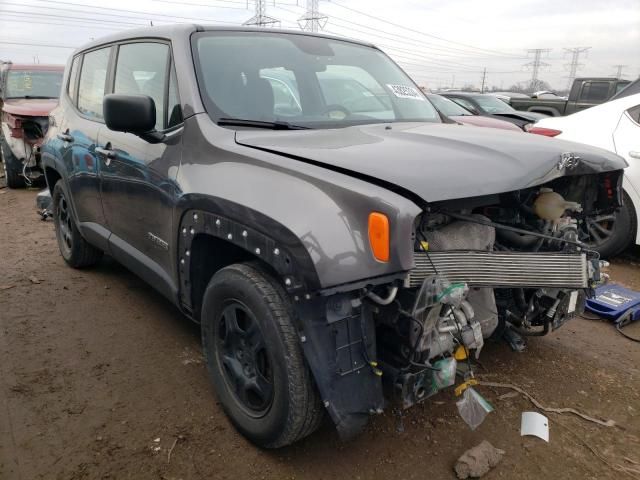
x=100, y=377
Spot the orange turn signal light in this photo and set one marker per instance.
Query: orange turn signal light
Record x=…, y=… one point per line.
x=379, y=236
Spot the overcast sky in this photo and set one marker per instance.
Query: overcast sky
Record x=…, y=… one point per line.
x=438, y=42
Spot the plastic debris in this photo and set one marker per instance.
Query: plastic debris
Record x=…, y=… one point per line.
x=446, y=374
x=536, y=424
x=477, y=461
x=473, y=408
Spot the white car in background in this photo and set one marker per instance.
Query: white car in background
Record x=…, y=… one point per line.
x=614, y=126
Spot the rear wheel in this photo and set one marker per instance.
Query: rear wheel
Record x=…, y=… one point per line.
x=611, y=234
x=12, y=167
x=254, y=357
x=75, y=250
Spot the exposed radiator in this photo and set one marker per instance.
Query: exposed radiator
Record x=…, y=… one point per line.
x=503, y=269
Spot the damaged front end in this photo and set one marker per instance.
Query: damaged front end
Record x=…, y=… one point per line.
x=510, y=264
x=23, y=136
x=506, y=265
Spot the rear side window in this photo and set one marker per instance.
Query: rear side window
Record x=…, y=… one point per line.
x=634, y=113
x=93, y=78
x=595, y=91
x=141, y=69
x=72, y=87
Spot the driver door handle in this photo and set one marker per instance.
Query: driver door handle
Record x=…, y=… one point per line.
x=106, y=152
x=634, y=154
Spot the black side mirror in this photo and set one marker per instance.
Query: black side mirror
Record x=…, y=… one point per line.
x=134, y=114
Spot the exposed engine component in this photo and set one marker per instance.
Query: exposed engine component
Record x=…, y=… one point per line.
x=550, y=205
x=512, y=261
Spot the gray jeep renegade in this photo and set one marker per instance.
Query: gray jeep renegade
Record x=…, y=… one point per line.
x=297, y=195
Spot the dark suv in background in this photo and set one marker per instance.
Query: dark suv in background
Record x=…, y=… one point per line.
x=299, y=197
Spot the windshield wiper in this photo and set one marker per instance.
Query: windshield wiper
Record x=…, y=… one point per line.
x=277, y=125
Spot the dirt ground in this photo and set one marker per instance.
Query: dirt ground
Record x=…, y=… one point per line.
x=101, y=378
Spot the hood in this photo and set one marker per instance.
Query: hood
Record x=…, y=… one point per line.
x=480, y=121
x=27, y=107
x=432, y=160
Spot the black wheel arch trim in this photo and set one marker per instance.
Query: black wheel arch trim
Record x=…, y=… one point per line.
x=280, y=248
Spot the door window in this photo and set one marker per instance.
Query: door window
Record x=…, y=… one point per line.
x=141, y=69
x=93, y=77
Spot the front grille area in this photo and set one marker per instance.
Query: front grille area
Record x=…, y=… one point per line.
x=503, y=269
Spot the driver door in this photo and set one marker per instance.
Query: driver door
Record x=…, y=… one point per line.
x=138, y=178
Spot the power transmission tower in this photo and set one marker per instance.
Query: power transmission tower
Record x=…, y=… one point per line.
x=574, y=65
x=619, y=71
x=260, y=18
x=312, y=20
x=535, y=65
x=484, y=77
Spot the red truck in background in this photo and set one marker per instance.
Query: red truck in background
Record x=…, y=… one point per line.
x=27, y=94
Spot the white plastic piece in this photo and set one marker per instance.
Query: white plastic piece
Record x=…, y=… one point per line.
x=535, y=424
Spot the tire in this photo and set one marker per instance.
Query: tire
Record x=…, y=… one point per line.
x=250, y=342
x=622, y=226
x=75, y=250
x=12, y=167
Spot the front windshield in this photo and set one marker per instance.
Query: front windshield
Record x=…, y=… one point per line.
x=493, y=105
x=33, y=84
x=303, y=80
x=448, y=107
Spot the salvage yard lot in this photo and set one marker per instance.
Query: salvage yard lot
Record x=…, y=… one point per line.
x=100, y=377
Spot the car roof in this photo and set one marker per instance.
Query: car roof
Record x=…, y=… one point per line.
x=182, y=29
x=34, y=66
x=600, y=79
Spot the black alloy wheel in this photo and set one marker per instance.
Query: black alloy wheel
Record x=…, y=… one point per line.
x=75, y=250
x=65, y=226
x=247, y=368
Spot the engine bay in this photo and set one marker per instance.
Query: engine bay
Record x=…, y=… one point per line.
x=504, y=266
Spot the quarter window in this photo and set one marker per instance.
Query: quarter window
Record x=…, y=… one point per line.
x=634, y=113
x=174, y=110
x=141, y=70
x=93, y=78
x=72, y=89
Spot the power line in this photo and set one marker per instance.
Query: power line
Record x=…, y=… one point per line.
x=397, y=37
x=37, y=45
x=65, y=17
x=17, y=19
x=536, y=64
x=136, y=12
x=405, y=28
x=312, y=20
x=260, y=18
x=574, y=65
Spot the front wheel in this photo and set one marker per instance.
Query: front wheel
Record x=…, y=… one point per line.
x=75, y=250
x=12, y=167
x=254, y=357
